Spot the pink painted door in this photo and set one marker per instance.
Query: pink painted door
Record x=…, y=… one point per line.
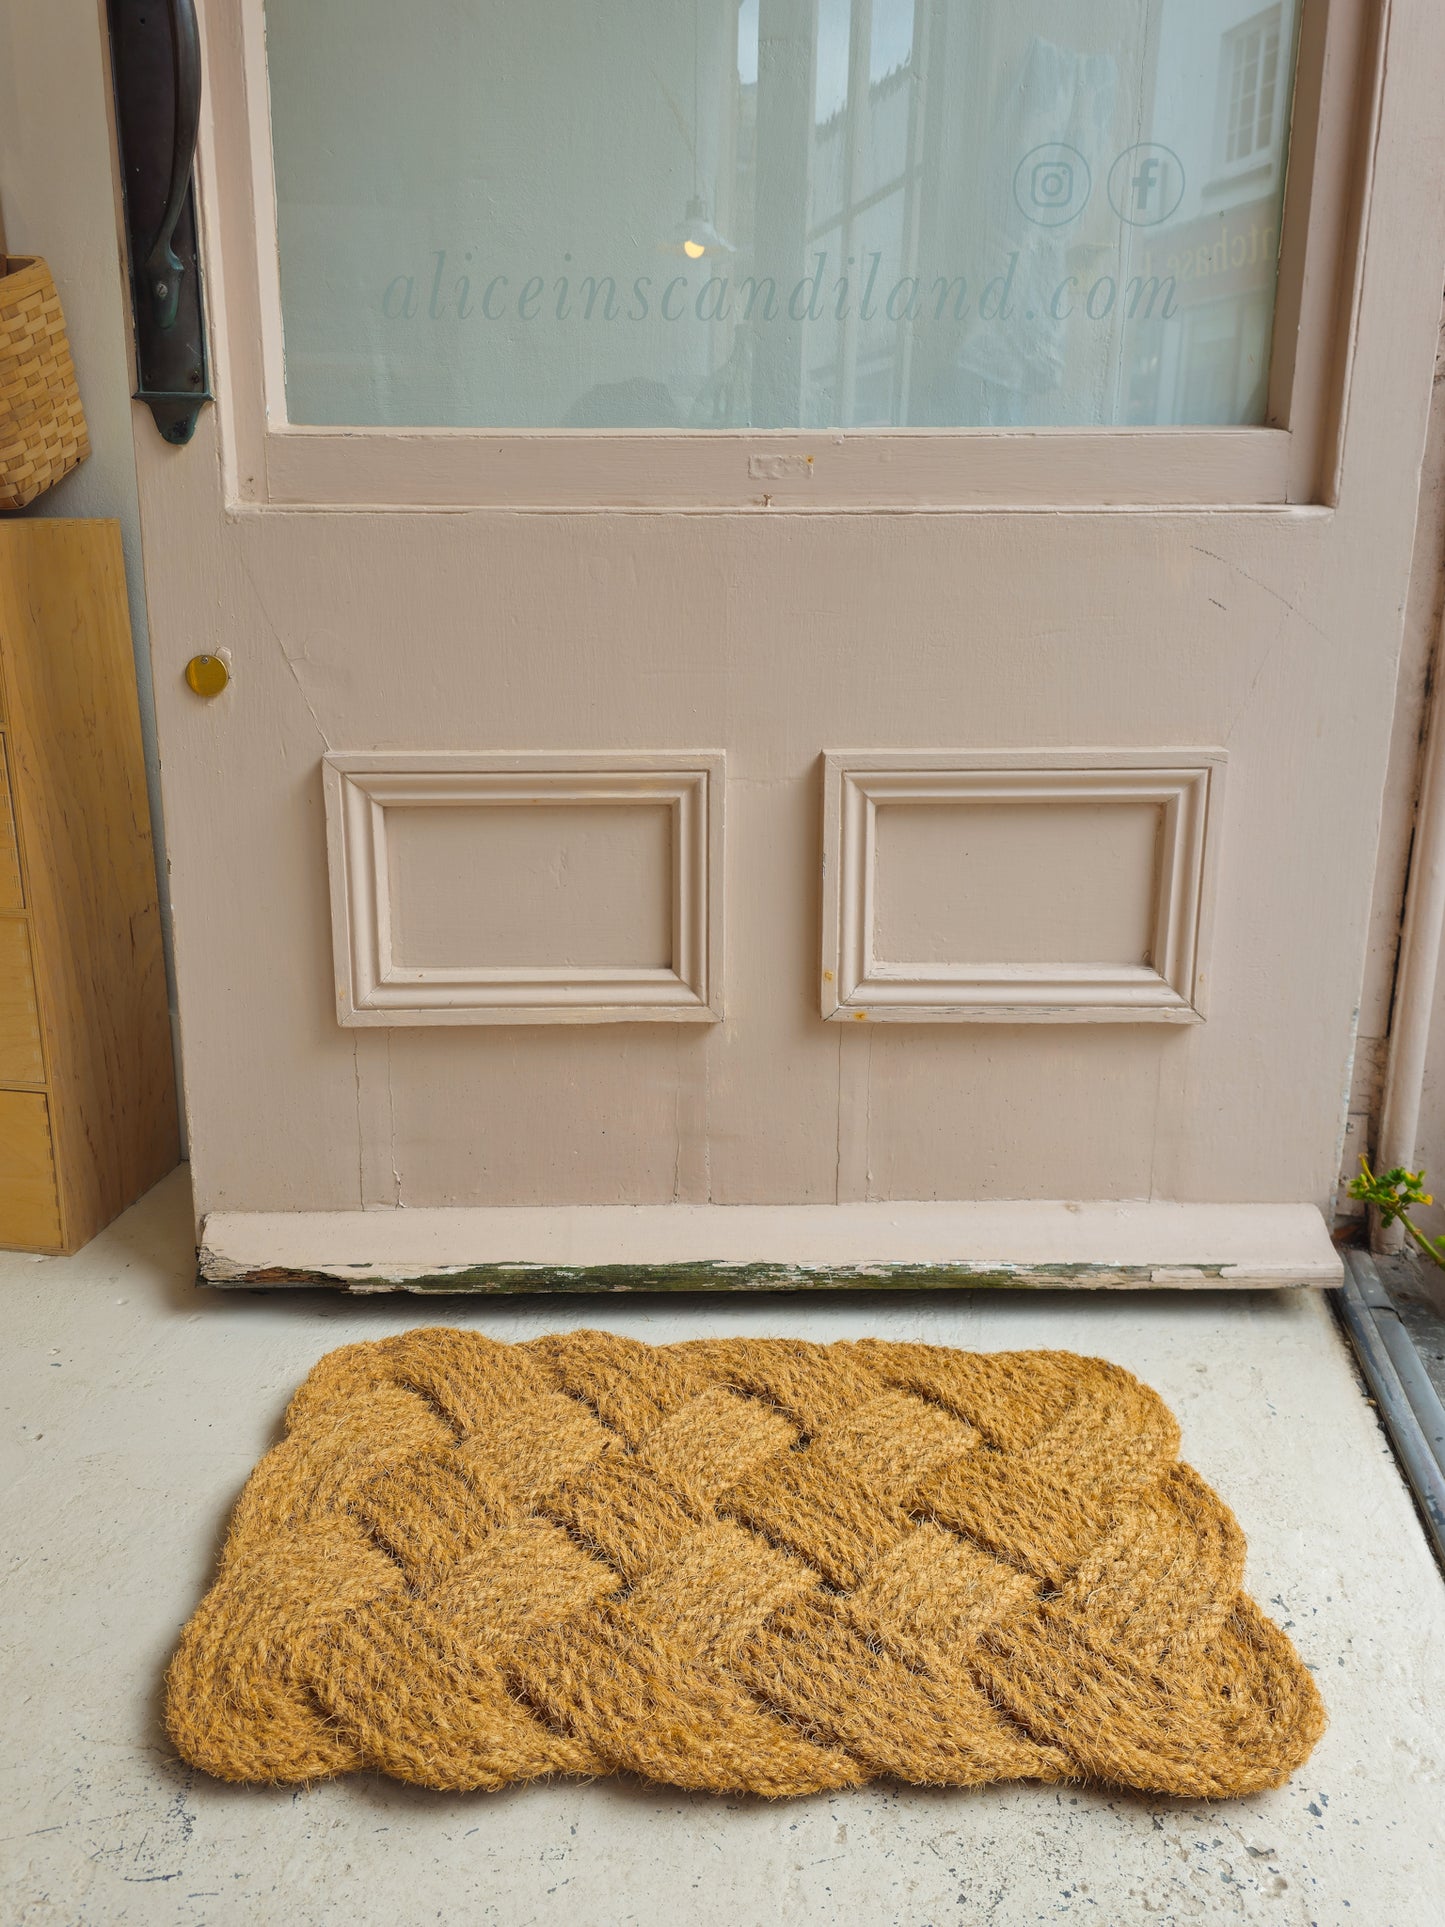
x=810, y=590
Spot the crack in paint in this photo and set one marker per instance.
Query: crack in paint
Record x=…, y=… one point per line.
x=271, y=628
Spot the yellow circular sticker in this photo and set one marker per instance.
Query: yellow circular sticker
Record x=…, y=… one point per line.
x=207, y=675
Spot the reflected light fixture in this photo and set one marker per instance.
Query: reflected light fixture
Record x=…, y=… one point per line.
x=695, y=235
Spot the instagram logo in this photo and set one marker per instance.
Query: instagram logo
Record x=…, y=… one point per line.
x=1052, y=184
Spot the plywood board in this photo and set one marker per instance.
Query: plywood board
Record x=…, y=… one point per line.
x=29, y=1204
x=21, y=1058
x=12, y=894
x=78, y=786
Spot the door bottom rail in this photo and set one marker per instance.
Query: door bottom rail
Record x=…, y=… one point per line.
x=998, y=1244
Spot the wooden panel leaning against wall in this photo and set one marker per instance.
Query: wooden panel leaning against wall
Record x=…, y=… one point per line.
x=87, y=1087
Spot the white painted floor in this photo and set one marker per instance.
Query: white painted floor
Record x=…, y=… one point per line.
x=135, y=1406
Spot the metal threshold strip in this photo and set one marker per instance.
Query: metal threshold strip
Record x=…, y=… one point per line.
x=1408, y=1403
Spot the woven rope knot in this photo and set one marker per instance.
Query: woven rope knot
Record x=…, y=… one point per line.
x=743, y=1565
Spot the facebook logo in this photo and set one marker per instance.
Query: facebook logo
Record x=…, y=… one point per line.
x=1146, y=184
x=1144, y=181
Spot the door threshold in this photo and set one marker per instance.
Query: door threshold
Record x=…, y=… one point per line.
x=1023, y=1245
x=1408, y=1404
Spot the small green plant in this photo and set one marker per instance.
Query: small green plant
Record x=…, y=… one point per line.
x=1392, y=1193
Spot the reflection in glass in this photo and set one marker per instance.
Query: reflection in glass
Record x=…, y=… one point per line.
x=726, y=214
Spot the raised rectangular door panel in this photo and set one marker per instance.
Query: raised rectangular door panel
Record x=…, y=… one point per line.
x=999, y=887
x=567, y=887
x=1029, y=885
x=525, y=889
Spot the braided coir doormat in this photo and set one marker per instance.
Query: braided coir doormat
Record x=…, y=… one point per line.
x=739, y=1564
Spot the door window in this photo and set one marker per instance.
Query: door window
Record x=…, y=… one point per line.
x=778, y=214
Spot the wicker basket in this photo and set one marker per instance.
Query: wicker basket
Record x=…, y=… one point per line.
x=42, y=425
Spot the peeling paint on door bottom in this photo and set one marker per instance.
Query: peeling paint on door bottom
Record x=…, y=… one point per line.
x=1028, y=1245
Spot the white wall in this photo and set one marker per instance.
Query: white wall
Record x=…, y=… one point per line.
x=56, y=187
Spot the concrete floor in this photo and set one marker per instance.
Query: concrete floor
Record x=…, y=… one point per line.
x=135, y=1406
